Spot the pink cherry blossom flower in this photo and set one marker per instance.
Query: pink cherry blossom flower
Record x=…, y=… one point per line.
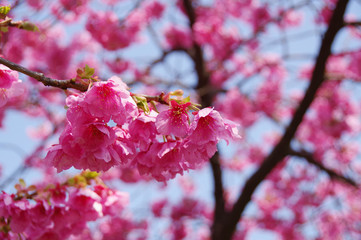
x=94, y=136
x=58, y=158
x=143, y=129
x=291, y=18
x=74, y=6
x=187, y=184
x=112, y=201
x=129, y=227
x=174, y=120
x=44, y=218
x=124, y=147
x=207, y=126
x=162, y=161
x=188, y=207
x=238, y=108
x=36, y=4
x=325, y=16
x=110, y=100
x=17, y=210
x=268, y=98
x=95, y=146
x=153, y=9
x=7, y=77
x=158, y=206
x=355, y=65
x=195, y=155
x=118, y=65
x=177, y=36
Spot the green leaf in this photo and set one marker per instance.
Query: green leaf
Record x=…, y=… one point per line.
x=4, y=10
x=22, y=182
x=71, y=182
x=29, y=26
x=142, y=103
x=187, y=99
x=178, y=92
x=4, y=29
x=90, y=174
x=88, y=72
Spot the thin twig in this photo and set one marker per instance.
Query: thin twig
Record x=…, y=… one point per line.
x=309, y=158
x=63, y=84
x=354, y=24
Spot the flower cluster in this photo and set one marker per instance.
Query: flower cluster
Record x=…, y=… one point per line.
x=57, y=211
x=159, y=144
x=88, y=141
x=182, y=214
x=113, y=34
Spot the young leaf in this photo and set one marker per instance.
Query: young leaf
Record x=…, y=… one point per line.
x=28, y=26
x=4, y=10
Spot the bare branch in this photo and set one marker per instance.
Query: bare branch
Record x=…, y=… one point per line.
x=63, y=84
x=158, y=98
x=282, y=148
x=219, y=209
x=309, y=158
x=354, y=24
x=163, y=56
x=197, y=56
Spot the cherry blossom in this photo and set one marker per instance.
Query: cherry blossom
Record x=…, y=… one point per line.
x=227, y=118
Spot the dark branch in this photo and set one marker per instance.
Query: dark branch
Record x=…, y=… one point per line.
x=309, y=158
x=219, y=208
x=197, y=56
x=164, y=55
x=63, y=84
x=159, y=98
x=354, y=24
x=282, y=148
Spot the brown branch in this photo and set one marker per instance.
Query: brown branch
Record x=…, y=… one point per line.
x=164, y=55
x=159, y=98
x=309, y=158
x=219, y=208
x=196, y=53
x=282, y=148
x=197, y=56
x=354, y=24
x=8, y=22
x=63, y=84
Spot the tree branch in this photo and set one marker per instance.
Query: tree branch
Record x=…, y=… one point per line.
x=309, y=158
x=164, y=55
x=282, y=148
x=196, y=54
x=63, y=84
x=219, y=208
x=354, y=24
